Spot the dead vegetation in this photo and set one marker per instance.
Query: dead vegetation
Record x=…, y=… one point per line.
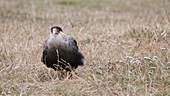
x=126, y=44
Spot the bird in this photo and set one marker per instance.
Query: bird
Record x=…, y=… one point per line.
x=61, y=51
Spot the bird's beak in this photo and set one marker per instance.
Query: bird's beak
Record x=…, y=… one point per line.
x=55, y=31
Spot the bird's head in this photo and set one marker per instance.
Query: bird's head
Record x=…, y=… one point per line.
x=55, y=30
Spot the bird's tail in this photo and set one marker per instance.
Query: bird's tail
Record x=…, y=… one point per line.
x=77, y=60
x=80, y=59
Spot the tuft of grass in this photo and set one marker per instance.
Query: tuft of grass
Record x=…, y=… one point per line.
x=125, y=44
x=148, y=34
x=69, y=2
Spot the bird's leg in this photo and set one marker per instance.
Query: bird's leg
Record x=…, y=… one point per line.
x=68, y=74
x=56, y=70
x=50, y=75
x=57, y=75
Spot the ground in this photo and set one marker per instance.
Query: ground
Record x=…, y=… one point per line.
x=126, y=44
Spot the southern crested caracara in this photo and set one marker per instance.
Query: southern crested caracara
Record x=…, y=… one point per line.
x=61, y=51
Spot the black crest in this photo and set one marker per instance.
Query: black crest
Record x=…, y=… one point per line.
x=57, y=27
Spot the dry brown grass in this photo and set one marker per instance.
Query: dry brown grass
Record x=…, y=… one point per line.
x=107, y=31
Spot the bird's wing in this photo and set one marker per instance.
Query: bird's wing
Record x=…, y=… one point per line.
x=73, y=44
x=43, y=58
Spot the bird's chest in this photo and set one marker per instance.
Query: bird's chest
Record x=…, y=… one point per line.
x=57, y=43
x=59, y=48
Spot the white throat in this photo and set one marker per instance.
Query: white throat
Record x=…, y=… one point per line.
x=57, y=36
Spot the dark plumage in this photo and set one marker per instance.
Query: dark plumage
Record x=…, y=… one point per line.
x=61, y=51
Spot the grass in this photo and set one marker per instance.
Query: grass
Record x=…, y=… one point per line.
x=126, y=44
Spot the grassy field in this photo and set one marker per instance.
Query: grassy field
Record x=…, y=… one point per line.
x=126, y=44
